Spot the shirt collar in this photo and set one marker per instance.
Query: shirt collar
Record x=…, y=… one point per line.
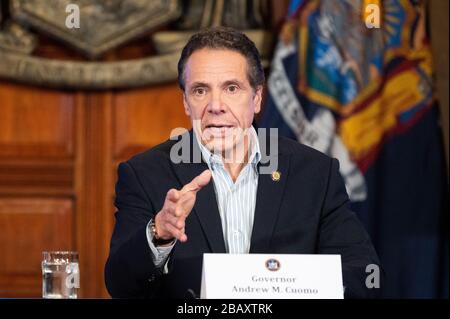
x=213, y=159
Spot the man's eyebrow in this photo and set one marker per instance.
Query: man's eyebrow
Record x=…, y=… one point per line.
x=233, y=81
x=199, y=84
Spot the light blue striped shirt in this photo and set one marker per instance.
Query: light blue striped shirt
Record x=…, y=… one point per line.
x=236, y=201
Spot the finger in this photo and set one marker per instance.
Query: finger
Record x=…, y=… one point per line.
x=177, y=222
x=177, y=233
x=170, y=207
x=180, y=212
x=198, y=182
x=173, y=195
x=203, y=179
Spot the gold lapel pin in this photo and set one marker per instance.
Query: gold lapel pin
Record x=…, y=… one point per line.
x=276, y=176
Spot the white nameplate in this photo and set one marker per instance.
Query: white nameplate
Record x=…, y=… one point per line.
x=271, y=276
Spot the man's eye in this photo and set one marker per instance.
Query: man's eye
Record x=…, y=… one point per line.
x=232, y=88
x=199, y=91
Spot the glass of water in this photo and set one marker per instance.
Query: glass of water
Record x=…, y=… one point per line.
x=60, y=274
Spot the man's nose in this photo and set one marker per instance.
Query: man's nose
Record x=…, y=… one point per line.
x=216, y=104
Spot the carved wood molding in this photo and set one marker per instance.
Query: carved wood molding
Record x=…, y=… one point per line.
x=88, y=75
x=36, y=178
x=104, y=26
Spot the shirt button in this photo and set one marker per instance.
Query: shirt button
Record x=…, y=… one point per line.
x=236, y=233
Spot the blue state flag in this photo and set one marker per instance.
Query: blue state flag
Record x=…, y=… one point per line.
x=364, y=95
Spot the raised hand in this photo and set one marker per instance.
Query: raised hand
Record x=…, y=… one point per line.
x=170, y=220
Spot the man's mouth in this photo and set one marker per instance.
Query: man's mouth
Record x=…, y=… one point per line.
x=218, y=130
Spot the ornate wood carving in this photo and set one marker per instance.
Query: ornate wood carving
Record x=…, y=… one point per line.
x=107, y=24
x=104, y=24
x=88, y=75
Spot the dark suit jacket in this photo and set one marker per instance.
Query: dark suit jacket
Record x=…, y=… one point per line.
x=305, y=212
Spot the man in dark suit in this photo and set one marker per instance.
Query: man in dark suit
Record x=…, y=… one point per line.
x=173, y=206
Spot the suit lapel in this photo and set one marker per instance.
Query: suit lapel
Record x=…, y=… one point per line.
x=205, y=208
x=268, y=201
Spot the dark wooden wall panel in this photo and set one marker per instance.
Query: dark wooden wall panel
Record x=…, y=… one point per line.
x=37, y=173
x=59, y=152
x=28, y=227
x=94, y=190
x=36, y=177
x=145, y=118
x=35, y=123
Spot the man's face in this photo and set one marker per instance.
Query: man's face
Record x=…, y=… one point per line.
x=218, y=97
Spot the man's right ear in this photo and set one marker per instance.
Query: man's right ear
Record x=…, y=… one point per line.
x=187, y=110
